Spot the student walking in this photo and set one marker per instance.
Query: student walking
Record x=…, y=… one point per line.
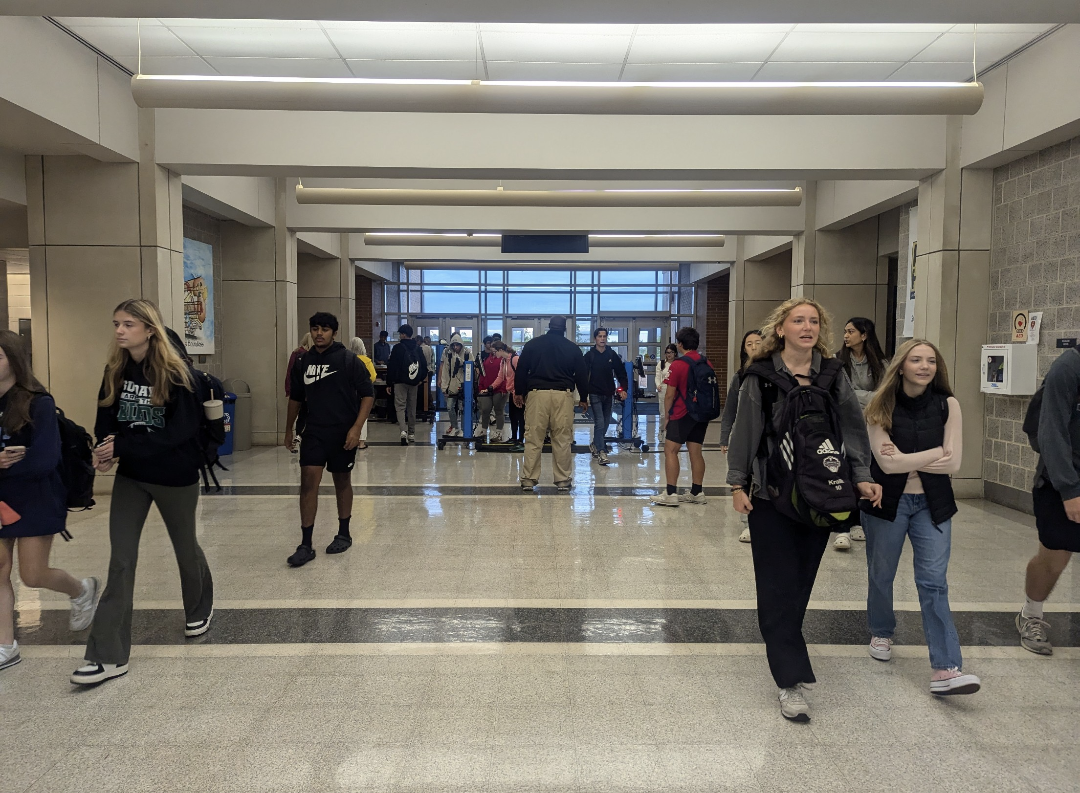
x=404, y=374
x=337, y=409
x=491, y=396
x=549, y=369
x=149, y=419
x=787, y=552
x=751, y=341
x=1055, y=495
x=683, y=427
x=607, y=380
x=916, y=435
x=663, y=371
x=34, y=500
x=452, y=381
x=864, y=362
x=506, y=381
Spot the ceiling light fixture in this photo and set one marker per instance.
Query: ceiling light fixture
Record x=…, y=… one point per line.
x=489, y=240
x=631, y=197
x=555, y=96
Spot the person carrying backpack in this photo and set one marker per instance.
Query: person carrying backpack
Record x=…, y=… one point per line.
x=452, y=381
x=33, y=501
x=691, y=402
x=798, y=459
x=404, y=374
x=149, y=419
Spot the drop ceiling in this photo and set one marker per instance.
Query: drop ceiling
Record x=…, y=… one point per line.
x=554, y=52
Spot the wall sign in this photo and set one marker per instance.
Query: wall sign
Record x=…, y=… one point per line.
x=198, y=297
x=1034, y=324
x=1019, y=326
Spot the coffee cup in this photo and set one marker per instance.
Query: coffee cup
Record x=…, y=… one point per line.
x=214, y=409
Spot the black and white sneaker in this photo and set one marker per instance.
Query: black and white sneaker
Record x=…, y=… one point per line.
x=404, y=438
x=303, y=555
x=92, y=673
x=198, y=627
x=9, y=654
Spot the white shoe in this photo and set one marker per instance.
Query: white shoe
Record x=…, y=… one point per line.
x=858, y=534
x=9, y=655
x=404, y=438
x=602, y=458
x=92, y=673
x=843, y=542
x=690, y=498
x=199, y=627
x=881, y=648
x=666, y=500
x=412, y=438
x=745, y=536
x=506, y=435
x=793, y=705
x=85, y=605
x=956, y=683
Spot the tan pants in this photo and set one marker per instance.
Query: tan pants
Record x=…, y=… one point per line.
x=548, y=413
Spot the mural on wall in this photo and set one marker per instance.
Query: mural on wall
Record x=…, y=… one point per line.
x=198, y=297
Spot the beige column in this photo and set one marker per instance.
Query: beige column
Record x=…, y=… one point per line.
x=952, y=269
x=755, y=289
x=327, y=285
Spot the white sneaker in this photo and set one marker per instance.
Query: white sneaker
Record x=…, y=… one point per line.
x=690, y=498
x=602, y=458
x=412, y=438
x=881, y=648
x=745, y=536
x=858, y=534
x=843, y=542
x=199, y=627
x=666, y=500
x=506, y=435
x=793, y=705
x=956, y=683
x=92, y=673
x=85, y=605
x=404, y=438
x=9, y=655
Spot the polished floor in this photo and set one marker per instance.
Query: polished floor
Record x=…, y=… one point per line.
x=479, y=639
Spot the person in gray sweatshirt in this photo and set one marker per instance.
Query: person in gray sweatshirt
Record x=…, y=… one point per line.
x=1055, y=496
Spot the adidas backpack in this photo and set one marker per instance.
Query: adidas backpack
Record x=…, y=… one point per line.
x=807, y=472
x=702, y=398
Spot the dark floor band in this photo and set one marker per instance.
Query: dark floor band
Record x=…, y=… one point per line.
x=429, y=491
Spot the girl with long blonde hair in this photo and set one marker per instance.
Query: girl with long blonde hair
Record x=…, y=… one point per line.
x=149, y=419
x=787, y=553
x=916, y=436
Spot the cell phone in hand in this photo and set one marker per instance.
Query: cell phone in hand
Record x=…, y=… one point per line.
x=15, y=449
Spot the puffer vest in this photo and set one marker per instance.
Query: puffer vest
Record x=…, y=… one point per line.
x=918, y=425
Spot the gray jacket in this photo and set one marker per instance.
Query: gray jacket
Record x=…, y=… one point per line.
x=731, y=406
x=1059, y=427
x=862, y=379
x=744, y=466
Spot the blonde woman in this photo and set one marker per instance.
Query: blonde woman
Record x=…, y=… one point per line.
x=149, y=418
x=359, y=349
x=916, y=435
x=787, y=553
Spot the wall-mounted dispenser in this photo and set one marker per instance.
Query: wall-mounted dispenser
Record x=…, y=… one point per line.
x=1009, y=369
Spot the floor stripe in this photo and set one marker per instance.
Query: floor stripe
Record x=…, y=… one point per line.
x=439, y=491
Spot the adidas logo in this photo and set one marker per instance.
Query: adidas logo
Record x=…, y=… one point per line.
x=827, y=448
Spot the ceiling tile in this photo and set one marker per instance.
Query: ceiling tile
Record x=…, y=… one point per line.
x=864, y=47
x=934, y=72
x=825, y=72
x=552, y=47
x=418, y=70
x=281, y=67
x=873, y=27
x=717, y=48
x=429, y=45
x=956, y=47
x=709, y=30
x=516, y=70
x=414, y=27
x=1034, y=30
x=190, y=65
x=556, y=29
x=284, y=24
x=225, y=42
x=118, y=42
x=689, y=72
x=115, y=22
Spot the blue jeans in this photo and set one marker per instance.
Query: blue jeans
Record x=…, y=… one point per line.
x=600, y=408
x=930, y=546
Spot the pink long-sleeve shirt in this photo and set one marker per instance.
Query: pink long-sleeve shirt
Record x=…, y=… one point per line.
x=944, y=459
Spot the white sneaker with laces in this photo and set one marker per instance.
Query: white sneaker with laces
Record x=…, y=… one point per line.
x=954, y=682
x=84, y=606
x=666, y=500
x=690, y=498
x=199, y=627
x=9, y=654
x=412, y=438
x=793, y=705
x=92, y=673
x=1033, y=634
x=857, y=534
x=745, y=536
x=843, y=542
x=881, y=648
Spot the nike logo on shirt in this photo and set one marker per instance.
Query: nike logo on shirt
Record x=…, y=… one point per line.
x=317, y=372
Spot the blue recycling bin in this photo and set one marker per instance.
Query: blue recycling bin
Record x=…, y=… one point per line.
x=230, y=420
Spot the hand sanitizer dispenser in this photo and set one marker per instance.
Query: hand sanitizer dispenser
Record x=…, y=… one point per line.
x=1009, y=369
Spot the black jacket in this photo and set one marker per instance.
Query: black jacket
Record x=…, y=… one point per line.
x=549, y=362
x=332, y=384
x=604, y=369
x=408, y=364
x=381, y=353
x=918, y=425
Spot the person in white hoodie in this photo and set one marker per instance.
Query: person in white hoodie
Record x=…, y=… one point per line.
x=452, y=381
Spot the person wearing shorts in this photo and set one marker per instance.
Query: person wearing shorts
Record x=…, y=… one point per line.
x=681, y=428
x=1055, y=496
x=335, y=387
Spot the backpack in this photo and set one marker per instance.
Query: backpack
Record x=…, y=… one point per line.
x=211, y=433
x=702, y=398
x=417, y=371
x=76, y=467
x=807, y=473
x=1034, y=412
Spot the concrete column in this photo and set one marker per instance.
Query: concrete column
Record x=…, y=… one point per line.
x=804, y=247
x=755, y=288
x=327, y=285
x=99, y=233
x=953, y=259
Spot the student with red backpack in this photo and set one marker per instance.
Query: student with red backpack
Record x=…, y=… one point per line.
x=691, y=402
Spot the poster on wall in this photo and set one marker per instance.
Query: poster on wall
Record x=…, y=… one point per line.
x=913, y=246
x=198, y=297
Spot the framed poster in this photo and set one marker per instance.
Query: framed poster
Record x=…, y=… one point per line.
x=198, y=297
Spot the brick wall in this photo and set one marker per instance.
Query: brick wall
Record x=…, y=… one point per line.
x=1034, y=266
x=716, y=327
x=201, y=227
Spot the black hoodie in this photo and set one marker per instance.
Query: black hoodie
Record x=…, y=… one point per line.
x=405, y=354
x=332, y=401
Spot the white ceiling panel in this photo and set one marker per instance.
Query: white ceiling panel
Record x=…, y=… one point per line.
x=860, y=28
x=273, y=42
x=709, y=30
x=121, y=41
x=558, y=30
x=700, y=48
x=281, y=67
x=689, y=72
x=825, y=72
x=428, y=45
x=418, y=70
x=90, y=22
x=956, y=47
x=933, y=72
x=865, y=47
x=516, y=70
x=190, y=65
x=1031, y=30
x=555, y=47
x=247, y=24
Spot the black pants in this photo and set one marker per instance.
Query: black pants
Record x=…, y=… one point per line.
x=517, y=421
x=786, y=559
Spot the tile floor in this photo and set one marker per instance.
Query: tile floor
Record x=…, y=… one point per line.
x=342, y=711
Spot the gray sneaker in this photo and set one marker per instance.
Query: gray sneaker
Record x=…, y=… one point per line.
x=793, y=705
x=602, y=458
x=592, y=449
x=690, y=498
x=666, y=500
x=528, y=485
x=564, y=485
x=1033, y=634
x=84, y=606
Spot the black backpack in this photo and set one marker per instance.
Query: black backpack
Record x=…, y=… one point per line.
x=211, y=433
x=417, y=364
x=702, y=397
x=76, y=463
x=1034, y=412
x=807, y=473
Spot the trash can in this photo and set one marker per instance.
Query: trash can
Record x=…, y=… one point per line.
x=241, y=422
x=230, y=424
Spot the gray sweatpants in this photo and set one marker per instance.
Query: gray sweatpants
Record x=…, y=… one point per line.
x=110, y=636
x=405, y=406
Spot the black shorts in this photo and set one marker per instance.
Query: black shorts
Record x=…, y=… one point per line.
x=324, y=447
x=1056, y=531
x=686, y=430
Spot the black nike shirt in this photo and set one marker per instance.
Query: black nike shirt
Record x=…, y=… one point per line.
x=332, y=383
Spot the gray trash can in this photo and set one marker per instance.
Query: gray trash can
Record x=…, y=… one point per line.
x=241, y=430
